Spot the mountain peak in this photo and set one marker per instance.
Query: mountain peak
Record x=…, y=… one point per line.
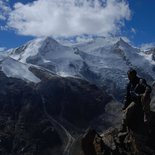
x=50, y=39
x=121, y=42
x=50, y=43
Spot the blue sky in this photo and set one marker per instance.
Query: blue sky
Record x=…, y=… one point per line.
x=142, y=21
x=133, y=19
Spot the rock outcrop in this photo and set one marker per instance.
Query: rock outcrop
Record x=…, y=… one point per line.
x=115, y=142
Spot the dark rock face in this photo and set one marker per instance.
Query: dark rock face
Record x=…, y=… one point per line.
x=23, y=126
x=73, y=99
x=30, y=114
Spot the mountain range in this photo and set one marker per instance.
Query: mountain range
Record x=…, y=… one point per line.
x=102, y=61
x=52, y=92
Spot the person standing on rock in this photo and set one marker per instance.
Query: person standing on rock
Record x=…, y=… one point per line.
x=137, y=100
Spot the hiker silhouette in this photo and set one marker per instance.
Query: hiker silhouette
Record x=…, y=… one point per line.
x=137, y=102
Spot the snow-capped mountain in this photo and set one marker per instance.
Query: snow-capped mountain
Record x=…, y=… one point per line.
x=49, y=54
x=102, y=61
x=111, y=60
x=119, y=56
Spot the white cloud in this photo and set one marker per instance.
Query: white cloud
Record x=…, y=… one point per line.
x=126, y=39
x=2, y=49
x=133, y=30
x=69, y=17
x=4, y=9
x=82, y=39
x=3, y=28
x=147, y=46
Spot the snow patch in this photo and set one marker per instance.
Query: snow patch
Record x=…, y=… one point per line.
x=13, y=68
